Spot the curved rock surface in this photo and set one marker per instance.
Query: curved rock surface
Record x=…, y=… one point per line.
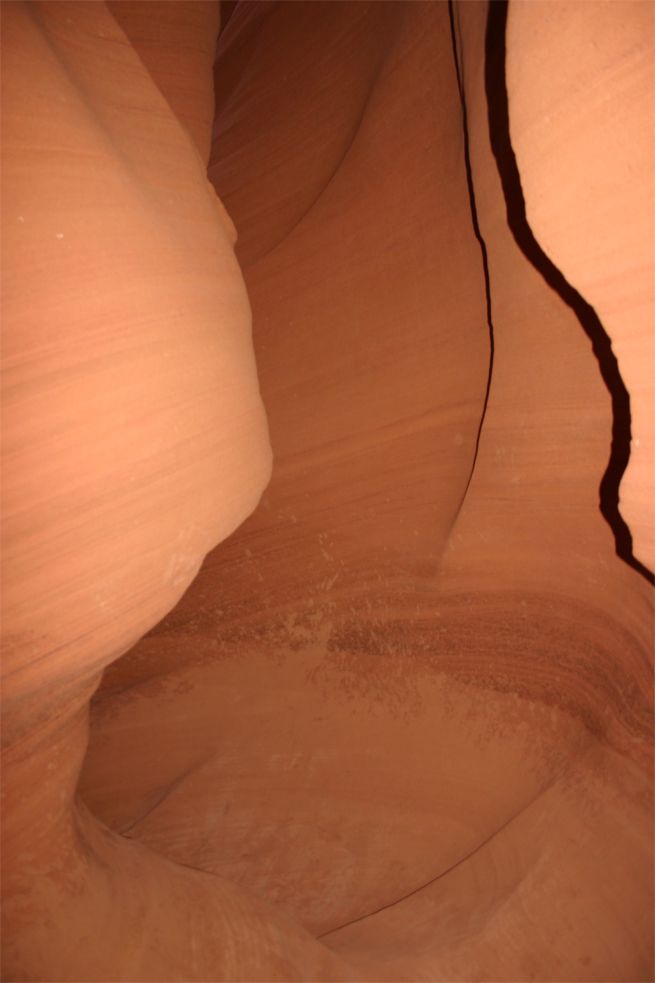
x=399, y=726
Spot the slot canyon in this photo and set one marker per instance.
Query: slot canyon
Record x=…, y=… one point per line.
x=328, y=478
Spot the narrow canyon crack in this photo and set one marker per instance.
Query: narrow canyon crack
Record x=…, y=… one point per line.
x=457, y=59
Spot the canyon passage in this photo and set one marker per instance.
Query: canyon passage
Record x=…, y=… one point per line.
x=328, y=534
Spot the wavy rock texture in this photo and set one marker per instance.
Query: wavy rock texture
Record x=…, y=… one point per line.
x=399, y=727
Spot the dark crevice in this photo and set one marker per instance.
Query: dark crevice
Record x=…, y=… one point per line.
x=499, y=133
x=457, y=57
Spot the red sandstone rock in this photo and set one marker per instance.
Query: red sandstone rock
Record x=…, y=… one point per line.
x=400, y=724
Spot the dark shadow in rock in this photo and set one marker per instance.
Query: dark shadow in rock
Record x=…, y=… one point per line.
x=457, y=59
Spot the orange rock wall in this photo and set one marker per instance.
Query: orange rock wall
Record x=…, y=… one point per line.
x=399, y=726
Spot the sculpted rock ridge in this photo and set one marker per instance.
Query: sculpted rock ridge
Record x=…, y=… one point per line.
x=328, y=533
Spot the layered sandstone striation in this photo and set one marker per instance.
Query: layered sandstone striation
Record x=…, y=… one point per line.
x=397, y=725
